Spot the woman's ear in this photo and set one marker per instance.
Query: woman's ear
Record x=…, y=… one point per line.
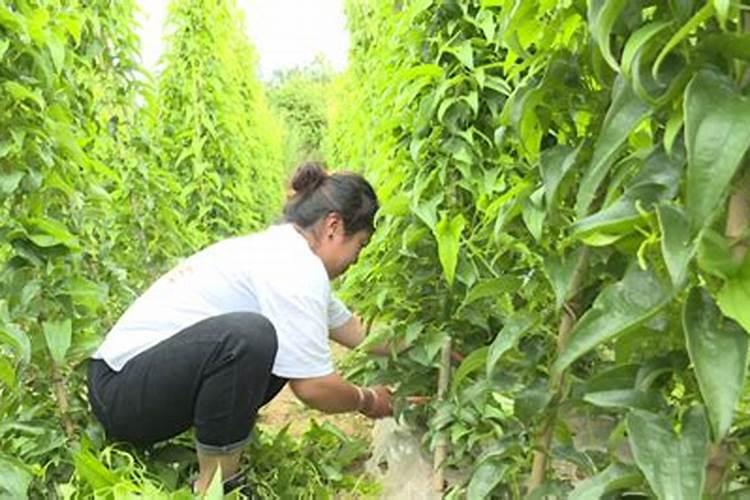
x=333, y=223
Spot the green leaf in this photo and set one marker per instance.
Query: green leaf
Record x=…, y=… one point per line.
x=532, y=400
x=9, y=182
x=429, y=71
x=492, y=287
x=658, y=180
x=427, y=210
x=596, y=239
x=38, y=21
x=448, y=235
x=62, y=133
x=677, y=247
x=610, y=379
x=471, y=363
x=619, y=308
x=554, y=164
x=21, y=93
x=509, y=204
x=58, y=336
x=4, y=44
x=674, y=465
x=613, y=478
x=650, y=371
x=722, y=11
x=533, y=214
x=699, y=18
x=86, y=293
x=672, y=129
x=602, y=15
x=56, y=48
x=7, y=373
x=73, y=26
x=15, y=479
x=514, y=328
x=625, y=398
x=464, y=53
x=711, y=337
x=560, y=273
x=484, y=479
x=624, y=114
x=734, y=296
x=50, y=232
x=17, y=339
x=715, y=255
x=726, y=45
x=716, y=138
x=499, y=85
x=91, y=470
x=637, y=41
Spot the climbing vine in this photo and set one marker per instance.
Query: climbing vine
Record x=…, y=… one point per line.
x=96, y=202
x=565, y=196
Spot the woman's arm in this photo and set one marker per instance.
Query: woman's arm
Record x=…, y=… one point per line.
x=352, y=333
x=332, y=394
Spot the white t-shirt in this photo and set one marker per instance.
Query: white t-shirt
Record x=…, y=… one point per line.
x=273, y=273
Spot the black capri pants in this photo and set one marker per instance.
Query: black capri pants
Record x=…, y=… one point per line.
x=213, y=375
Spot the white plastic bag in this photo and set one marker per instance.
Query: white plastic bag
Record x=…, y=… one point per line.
x=399, y=464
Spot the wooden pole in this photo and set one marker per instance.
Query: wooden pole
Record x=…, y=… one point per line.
x=441, y=448
x=61, y=394
x=738, y=218
x=567, y=322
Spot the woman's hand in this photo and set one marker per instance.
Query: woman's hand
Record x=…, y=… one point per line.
x=378, y=402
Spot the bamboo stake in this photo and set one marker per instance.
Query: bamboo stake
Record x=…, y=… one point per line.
x=441, y=448
x=736, y=230
x=567, y=322
x=738, y=218
x=62, y=400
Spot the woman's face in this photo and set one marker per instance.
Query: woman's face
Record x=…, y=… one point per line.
x=338, y=250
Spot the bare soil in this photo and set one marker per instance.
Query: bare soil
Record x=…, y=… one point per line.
x=287, y=409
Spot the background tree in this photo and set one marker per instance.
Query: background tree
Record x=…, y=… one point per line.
x=299, y=97
x=213, y=121
x=68, y=79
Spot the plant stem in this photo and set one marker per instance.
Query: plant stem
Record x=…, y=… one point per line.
x=441, y=448
x=736, y=230
x=61, y=395
x=567, y=322
x=738, y=217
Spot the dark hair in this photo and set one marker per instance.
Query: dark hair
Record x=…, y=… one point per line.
x=318, y=193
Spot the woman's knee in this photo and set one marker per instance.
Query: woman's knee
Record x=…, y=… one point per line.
x=252, y=332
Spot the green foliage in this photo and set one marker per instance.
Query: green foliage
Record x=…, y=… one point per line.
x=95, y=202
x=715, y=142
x=675, y=466
x=213, y=122
x=612, y=479
x=299, y=97
x=322, y=463
x=69, y=79
x=585, y=151
x=711, y=338
x=316, y=464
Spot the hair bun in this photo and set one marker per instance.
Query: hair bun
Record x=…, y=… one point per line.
x=308, y=177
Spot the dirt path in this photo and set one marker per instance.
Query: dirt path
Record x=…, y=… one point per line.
x=287, y=409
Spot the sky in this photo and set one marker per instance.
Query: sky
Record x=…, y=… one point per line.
x=286, y=33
